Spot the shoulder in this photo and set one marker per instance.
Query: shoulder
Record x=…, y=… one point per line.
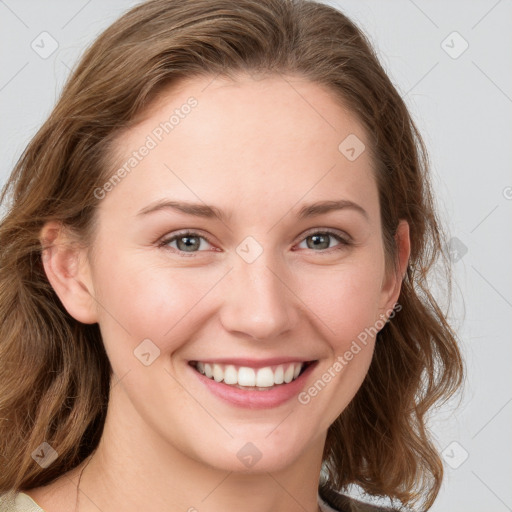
x=341, y=503
x=58, y=495
x=18, y=502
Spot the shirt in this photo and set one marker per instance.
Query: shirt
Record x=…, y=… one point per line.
x=21, y=502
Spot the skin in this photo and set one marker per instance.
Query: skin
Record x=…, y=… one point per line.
x=259, y=149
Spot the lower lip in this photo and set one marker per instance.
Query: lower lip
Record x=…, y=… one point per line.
x=274, y=397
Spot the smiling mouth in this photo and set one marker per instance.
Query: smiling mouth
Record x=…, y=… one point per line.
x=254, y=379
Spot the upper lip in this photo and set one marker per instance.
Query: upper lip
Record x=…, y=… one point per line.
x=254, y=363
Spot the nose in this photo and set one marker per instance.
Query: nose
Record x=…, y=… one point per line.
x=258, y=300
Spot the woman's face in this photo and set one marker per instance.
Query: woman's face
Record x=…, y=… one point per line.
x=261, y=281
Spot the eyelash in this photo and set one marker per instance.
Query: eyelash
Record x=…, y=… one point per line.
x=344, y=242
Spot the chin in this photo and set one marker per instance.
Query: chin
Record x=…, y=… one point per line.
x=252, y=454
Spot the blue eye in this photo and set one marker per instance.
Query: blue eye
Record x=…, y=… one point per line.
x=190, y=242
x=320, y=240
x=187, y=242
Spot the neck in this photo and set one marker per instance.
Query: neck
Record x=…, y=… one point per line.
x=133, y=469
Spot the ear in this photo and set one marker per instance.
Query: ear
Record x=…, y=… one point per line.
x=68, y=271
x=393, y=282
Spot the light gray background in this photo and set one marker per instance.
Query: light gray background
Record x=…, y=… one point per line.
x=463, y=107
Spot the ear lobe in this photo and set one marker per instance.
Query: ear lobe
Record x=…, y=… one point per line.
x=391, y=289
x=68, y=272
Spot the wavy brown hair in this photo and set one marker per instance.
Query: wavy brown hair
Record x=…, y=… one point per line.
x=54, y=372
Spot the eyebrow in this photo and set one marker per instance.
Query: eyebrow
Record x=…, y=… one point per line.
x=209, y=211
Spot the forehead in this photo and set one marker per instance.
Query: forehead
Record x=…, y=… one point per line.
x=251, y=140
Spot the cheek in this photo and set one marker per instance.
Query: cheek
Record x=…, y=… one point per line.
x=345, y=299
x=141, y=301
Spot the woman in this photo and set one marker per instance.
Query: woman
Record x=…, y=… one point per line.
x=213, y=274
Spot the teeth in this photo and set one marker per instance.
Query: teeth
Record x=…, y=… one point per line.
x=218, y=374
x=230, y=375
x=265, y=377
x=279, y=375
x=288, y=374
x=244, y=376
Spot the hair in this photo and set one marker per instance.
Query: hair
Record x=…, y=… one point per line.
x=54, y=372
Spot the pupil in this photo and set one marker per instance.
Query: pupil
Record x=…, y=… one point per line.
x=319, y=240
x=188, y=246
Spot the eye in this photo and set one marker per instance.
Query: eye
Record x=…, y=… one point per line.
x=186, y=241
x=191, y=242
x=321, y=240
